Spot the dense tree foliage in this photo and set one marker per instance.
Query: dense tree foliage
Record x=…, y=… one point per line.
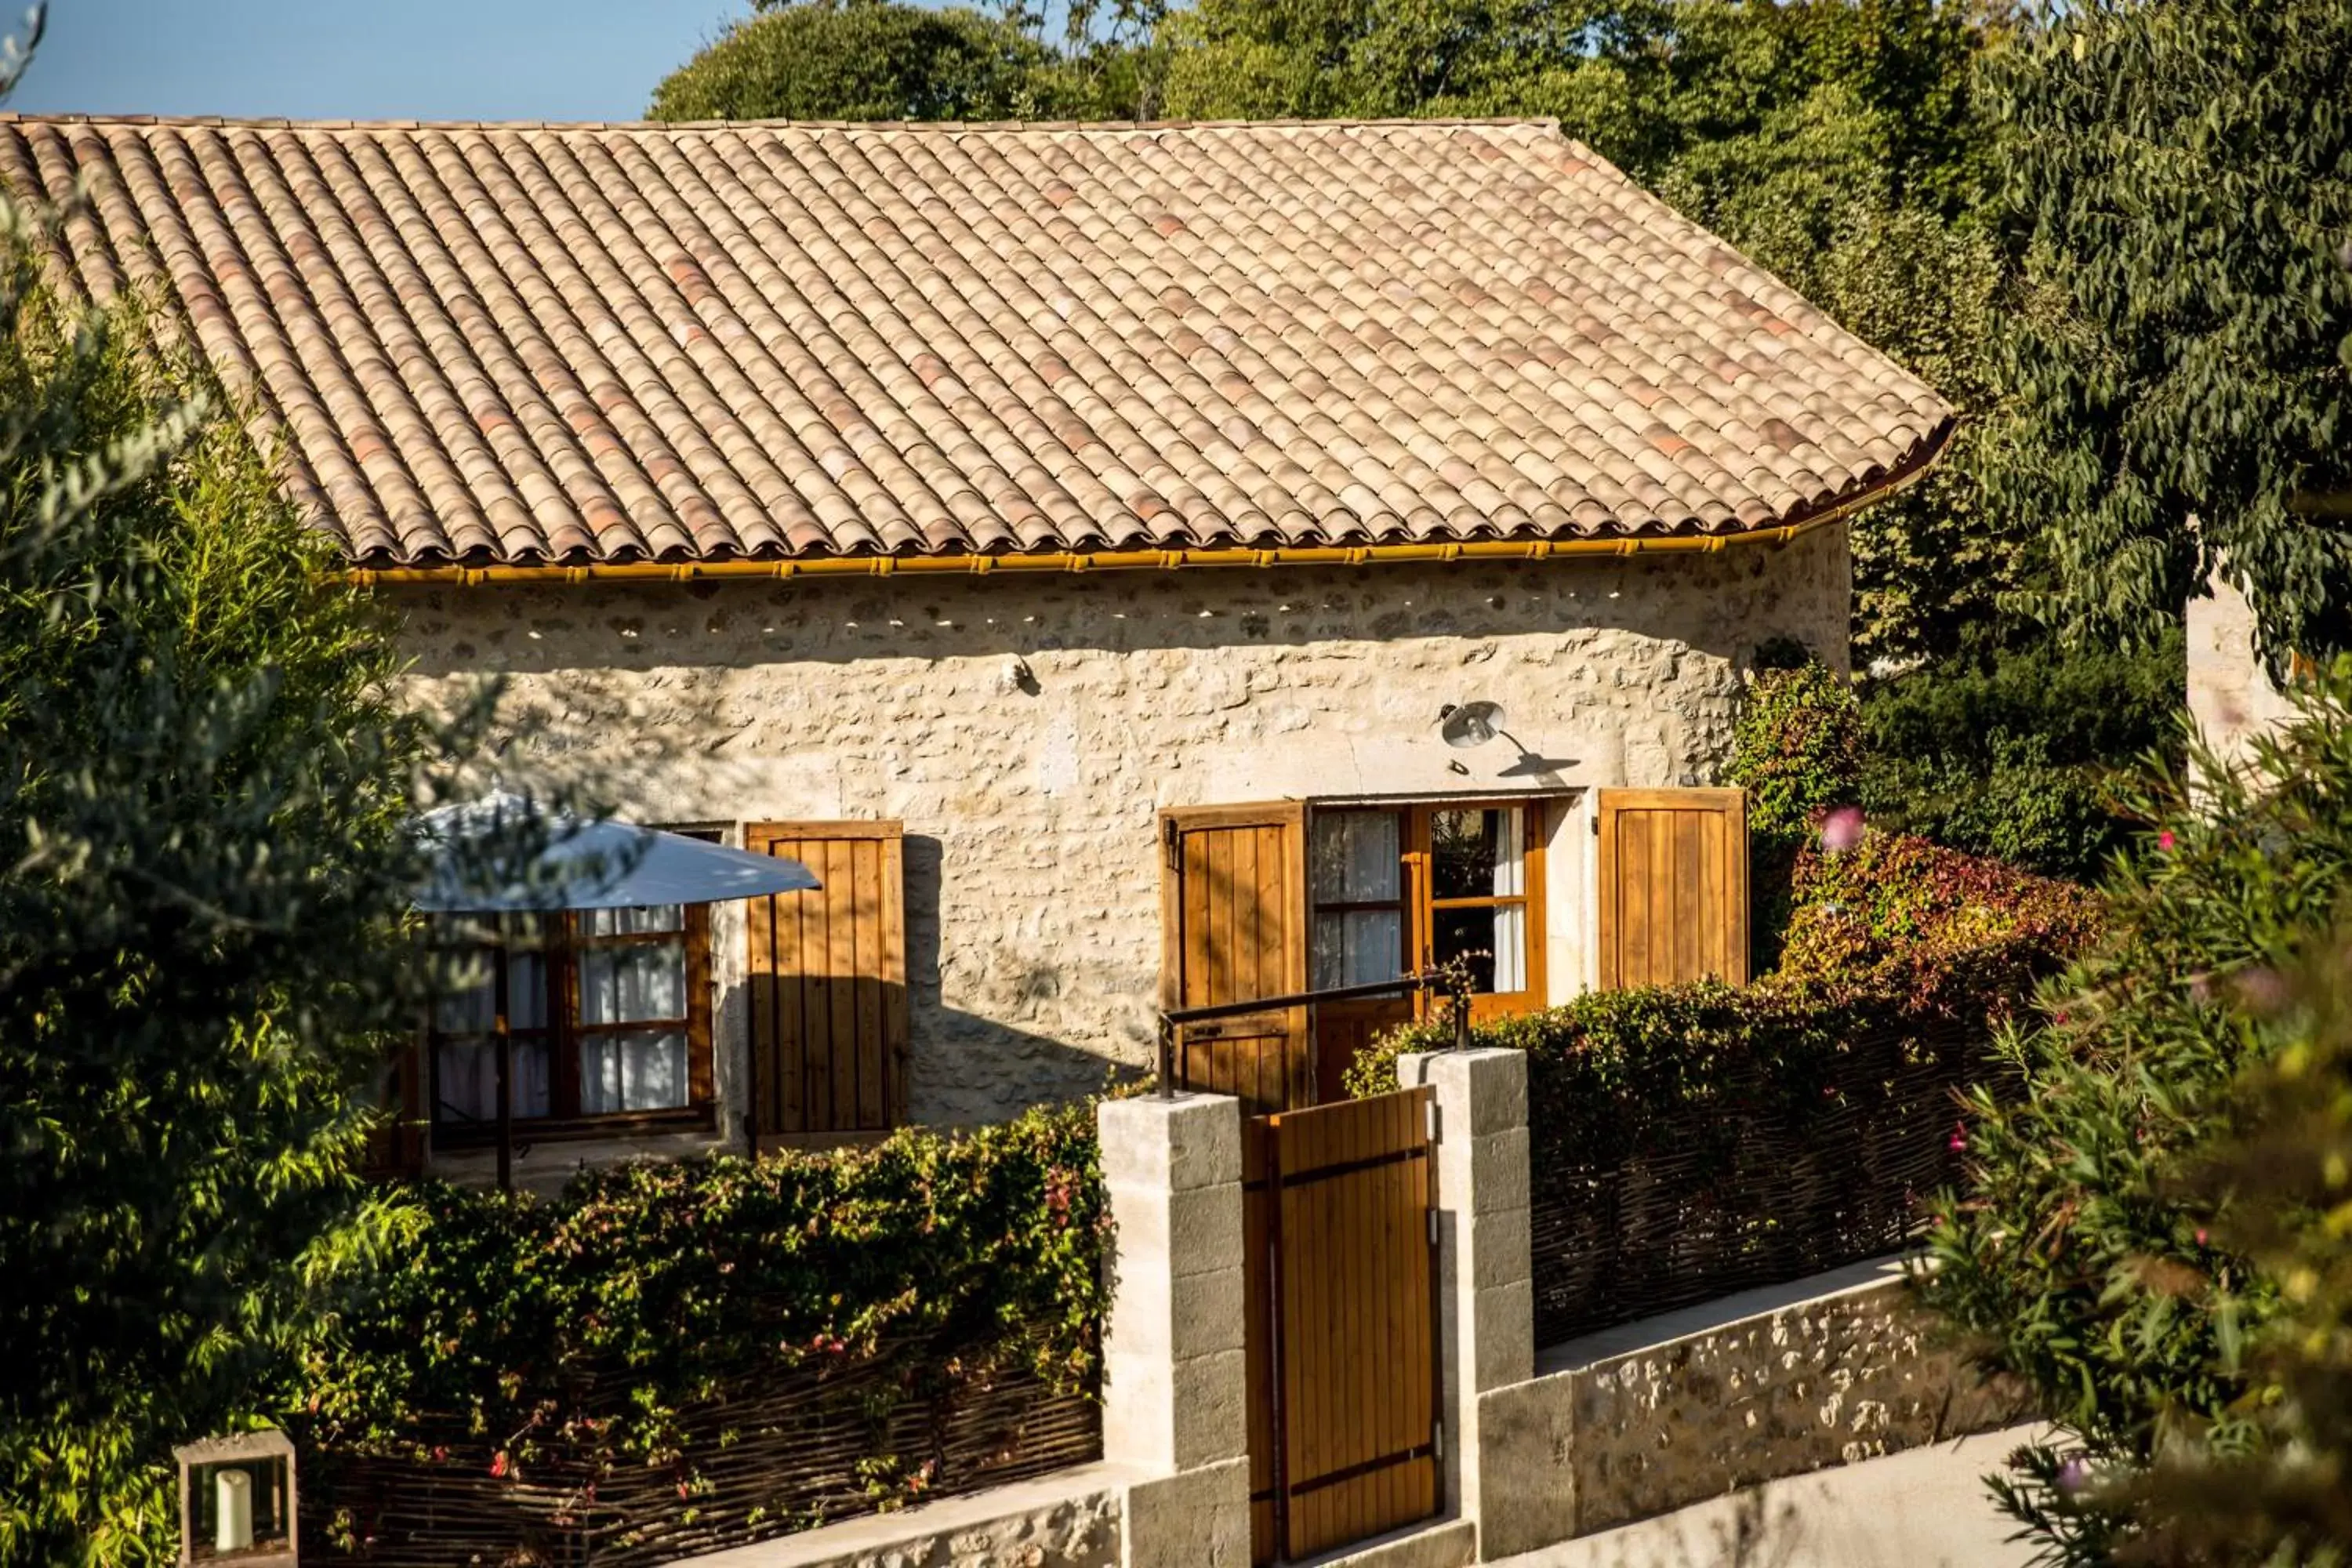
x=202, y=781
x=893, y=59
x=2013, y=751
x=2079, y=1249
x=2278, y=1177
x=2183, y=173
x=868, y=59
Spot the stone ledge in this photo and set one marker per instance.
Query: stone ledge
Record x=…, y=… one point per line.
x=1433, y=1543
x=1069, y=1518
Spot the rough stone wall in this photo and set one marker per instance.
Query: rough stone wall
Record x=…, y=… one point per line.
x=1827, y=1381
x=1067, y=1519
x=1027, y=729
x=2230, y=695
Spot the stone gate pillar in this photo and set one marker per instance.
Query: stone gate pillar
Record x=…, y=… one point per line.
x=1175, y=1375
x=1486, y=1281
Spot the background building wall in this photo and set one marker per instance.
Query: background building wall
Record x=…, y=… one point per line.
x=2232, y=697
x=1028, y=728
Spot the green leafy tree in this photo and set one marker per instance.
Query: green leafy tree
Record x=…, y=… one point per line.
x=201, y=870
x=2074, y=1250
x=2278, y=1183
x=2181, y=175
x=891, y=60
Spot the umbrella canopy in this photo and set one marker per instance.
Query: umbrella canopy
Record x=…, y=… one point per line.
x=581, y=863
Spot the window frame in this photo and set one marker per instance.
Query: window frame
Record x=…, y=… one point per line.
x=1417, y=889
x=564, y=1033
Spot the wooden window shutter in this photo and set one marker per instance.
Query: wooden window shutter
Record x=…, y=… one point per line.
x=828, y=983
x=395, y=1146
x=1673, y=886
x=1233, y=928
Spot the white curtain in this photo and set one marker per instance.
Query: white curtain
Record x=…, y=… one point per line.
x=468, y=1079
x=1357, y=859
x=637, y=1071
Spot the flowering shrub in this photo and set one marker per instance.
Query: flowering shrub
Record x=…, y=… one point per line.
x=1796, y=750
x=1892, y=899
x=2095, y=1246
x=514, y=1337
x=1691, y=1141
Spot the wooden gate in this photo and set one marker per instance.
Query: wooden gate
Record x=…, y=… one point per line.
x=1340, y=1265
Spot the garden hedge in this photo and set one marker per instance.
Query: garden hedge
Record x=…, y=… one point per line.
x=1688, y=1141
x=675, y=1356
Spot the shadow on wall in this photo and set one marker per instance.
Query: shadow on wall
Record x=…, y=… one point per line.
x=967, y=1068
x=1719, y=604
x=826, y=1046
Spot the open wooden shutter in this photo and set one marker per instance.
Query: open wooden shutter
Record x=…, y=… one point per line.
x=1673, y=886
x=1232, y=929
x=828, y=985
x=395, y=1146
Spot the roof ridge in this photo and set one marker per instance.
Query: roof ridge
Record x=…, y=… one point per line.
x=925, y=126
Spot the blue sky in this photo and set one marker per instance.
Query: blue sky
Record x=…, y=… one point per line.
x=364, y=60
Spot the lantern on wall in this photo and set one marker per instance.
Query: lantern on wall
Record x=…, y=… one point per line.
x=237, y=1501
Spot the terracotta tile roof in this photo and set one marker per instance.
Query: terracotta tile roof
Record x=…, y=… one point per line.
x=563, y=344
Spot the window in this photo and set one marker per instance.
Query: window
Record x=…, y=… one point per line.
x=608, y=1015
x=1395, y=889
x=1478, y=893
x=1358, y=877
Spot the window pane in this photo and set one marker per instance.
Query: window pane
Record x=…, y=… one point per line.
x=1359, y=947
x=641, y=1071
x=1497, y=936
x=631, y=922
x=1477, y=854
x=632, y=983
x=467, y=1003
x=1356, y=857
x=468, y=1080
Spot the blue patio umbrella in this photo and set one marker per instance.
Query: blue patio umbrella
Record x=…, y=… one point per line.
x=507, y=855
x=583, y=863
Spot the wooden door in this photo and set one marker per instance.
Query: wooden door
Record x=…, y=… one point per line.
x=1233, y=905
x=1339, y=1267
x=1673, y=886
x=828, y=987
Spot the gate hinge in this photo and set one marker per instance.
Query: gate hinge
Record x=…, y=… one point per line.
x=1167, y=842
x=1429, y=1115
x=1437, y=1438
x=1432, y=1228
x=1596, y=824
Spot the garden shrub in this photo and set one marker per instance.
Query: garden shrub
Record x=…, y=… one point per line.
x=2074, y=1249
x=516, y=1338
x=1898, y=900
x=2012, y=754
x=1690, y=1140
x=1796, y=750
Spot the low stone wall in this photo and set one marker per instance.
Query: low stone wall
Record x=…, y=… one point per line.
x=1067, y=1519
x=1656, y=1415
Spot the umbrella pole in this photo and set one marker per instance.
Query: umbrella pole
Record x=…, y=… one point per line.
x=506, y=1060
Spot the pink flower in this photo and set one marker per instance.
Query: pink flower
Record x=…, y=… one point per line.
x=1960, y=1138
x=2200, y=1235
x=2164, y=839
x=499, y=1463
x=1841, y=828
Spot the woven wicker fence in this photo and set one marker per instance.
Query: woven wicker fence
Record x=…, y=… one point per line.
x=1758, y=1187
x=770, y=1458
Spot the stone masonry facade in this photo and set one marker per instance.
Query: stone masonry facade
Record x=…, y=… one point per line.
x=1028, y=728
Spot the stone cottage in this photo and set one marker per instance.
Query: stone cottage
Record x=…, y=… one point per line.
x=1132, y=565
